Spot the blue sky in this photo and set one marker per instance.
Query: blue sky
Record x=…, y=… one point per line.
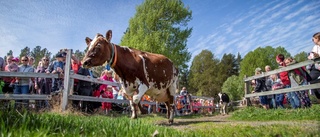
x=228, y=26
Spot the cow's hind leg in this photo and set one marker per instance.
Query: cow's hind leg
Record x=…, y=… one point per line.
x=170, y=107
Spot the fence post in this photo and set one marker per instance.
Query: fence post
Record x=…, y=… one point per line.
x=66, y=81
x=246, y=91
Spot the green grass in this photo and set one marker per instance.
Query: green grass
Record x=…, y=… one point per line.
x=51, y=124
x=259, y=114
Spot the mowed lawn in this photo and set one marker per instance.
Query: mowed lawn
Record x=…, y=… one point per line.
x=245, y=122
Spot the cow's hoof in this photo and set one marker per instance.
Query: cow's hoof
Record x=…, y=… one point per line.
x=133, y=117
x=170, y=122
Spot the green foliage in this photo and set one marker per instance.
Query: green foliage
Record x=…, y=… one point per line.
x=10, y=53
x=160, y=26
x=203, y=73
x=300, y=57
x=234, y=87
x=261, y=57
x=38, y=53
x=25, y=52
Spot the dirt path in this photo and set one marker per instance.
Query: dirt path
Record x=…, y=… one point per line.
x=183, y=123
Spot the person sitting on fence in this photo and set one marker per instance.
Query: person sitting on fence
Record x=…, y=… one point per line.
x=314, y=74
x=298, y=77
x=261, y=87
x=22, y=84
x=57, y=67
x=315, y=68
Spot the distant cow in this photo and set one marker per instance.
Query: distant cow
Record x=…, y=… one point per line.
x=143, y=72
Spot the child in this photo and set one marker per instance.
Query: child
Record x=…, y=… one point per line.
x=13, y=67
x=277, y=84
x=106, y=93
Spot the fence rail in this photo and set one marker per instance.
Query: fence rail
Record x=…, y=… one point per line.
x=247, y=80
x=24, y=97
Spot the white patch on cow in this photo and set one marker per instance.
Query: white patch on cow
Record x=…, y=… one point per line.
x=144, y=66
x=164, y=71
x=92, y=42
x=142, y=89
x=129, y=90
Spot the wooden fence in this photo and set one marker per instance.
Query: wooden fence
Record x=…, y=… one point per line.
x=67, y=94
x=247, y=81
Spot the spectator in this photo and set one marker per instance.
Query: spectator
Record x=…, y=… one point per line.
x=291, y=96
x=107, y=93
x=315, y=68
x=13, y=67
x=31, y=84
x=115, y=89
x=316, y=47
x=298, y=77
x=31, y=62
x=2, y=64
x=42, y=85
x=184, y=94
x=104, y=91
x=196, y=103
x=7, y=80
x=269, y=83
x=57, y=67
x=85, y=88
x=75, y=66
x=261, y=87
x=277, y=84
x=22, y=85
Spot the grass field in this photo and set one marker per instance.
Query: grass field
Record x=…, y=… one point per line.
x=245, y=122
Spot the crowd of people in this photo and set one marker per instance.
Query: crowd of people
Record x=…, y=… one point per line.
x=287, y=79
x=47, y=86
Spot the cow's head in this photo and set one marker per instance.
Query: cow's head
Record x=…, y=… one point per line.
x=99, y=50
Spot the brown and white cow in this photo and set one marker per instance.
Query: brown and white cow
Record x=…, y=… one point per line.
x=144, y=72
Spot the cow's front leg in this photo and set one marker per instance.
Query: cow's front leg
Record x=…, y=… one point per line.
x=133, y=109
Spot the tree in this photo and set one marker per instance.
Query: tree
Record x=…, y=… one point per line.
x=234, y=87
x=10, y=53
x=37, y=53
x=160, y=26
x=203, y=73
x=300, y=57
x=228, y=66
x=261, y=57
x=79, y=54
x=25, y=52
